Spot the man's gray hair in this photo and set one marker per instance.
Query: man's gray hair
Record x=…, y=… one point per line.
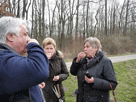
x=10, y=25
x=95, y=43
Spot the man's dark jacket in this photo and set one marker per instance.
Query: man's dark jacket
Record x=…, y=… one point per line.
x=101, y=69
x=19, y=76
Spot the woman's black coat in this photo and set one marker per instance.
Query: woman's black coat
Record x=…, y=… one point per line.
x=57, y=66
x=101, y=69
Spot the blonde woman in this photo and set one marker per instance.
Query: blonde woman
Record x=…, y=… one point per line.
x=57, y=71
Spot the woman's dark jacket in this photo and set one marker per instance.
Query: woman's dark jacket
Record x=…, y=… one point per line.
x=101, y=69
x=57, y=66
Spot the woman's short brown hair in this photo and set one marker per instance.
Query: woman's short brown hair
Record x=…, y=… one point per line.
x=94, y=42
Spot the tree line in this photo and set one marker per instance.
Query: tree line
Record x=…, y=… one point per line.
x=70, y=20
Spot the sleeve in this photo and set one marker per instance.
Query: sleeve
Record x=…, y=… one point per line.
x=19, y=73
x=64, y=71
x=74, y=67
x=109, y=77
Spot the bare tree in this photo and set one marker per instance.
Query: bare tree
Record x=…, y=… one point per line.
x=24, y=8
x=43, y=14
x=106, y=17
x=27, y=9
x=70, y=21
x=14, y=7
x=84, y=21
x=126, y=18
x=87, y=11
x=97, y=12
x=62, y=24
x=3, y=9
x=18, y=9
x=50, y=28
x=32, y=28
x=53, y=19
x=77, y=17
x=121, y=16
x=74, y=18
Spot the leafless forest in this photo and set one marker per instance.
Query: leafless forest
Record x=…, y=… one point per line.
x=69, y=22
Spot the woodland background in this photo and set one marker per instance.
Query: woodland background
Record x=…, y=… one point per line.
x=70, y=22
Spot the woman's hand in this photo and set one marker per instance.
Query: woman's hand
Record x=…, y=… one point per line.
x=80, y=56
x=89, y=80
x=42, y=85
x=56, y=78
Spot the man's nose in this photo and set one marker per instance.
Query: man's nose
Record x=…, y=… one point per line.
x=28, y=37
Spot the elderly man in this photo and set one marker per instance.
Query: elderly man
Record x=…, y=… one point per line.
x=20, y=76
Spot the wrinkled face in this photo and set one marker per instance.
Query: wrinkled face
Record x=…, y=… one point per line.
x=89, y=50
x=21, y=40
x=49, y=50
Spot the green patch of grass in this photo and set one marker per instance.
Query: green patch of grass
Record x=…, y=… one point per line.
x=120, y=54
x=126, y=77
x=68, y=60
x=71, y=85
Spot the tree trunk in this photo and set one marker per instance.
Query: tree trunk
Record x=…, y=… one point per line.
x=76, y=28
x=87, y=33
x=84, y=21
x=18, y=10
x=126, y=18
x=43, y=27
x=105, y=17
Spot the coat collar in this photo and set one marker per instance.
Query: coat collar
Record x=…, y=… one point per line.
x=10, y=48
x=94, y=61
x=55, y=56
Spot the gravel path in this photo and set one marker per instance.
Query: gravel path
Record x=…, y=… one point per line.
x=113, y=59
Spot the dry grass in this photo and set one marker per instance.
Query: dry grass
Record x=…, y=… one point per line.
x=112, y=45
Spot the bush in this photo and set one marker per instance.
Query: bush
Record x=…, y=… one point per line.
x=111, y=45
x=115, y=45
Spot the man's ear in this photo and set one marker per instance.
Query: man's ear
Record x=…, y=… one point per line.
x=10, y=37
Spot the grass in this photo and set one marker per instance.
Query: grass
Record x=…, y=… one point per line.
x=120, y=54
x=126, y=77
x=71, y=85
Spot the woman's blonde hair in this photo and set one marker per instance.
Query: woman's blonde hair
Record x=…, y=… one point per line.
x=95, y=43
x=48, y=41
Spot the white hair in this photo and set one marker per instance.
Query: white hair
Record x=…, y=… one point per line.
x=94, y=42
x=10, y=25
